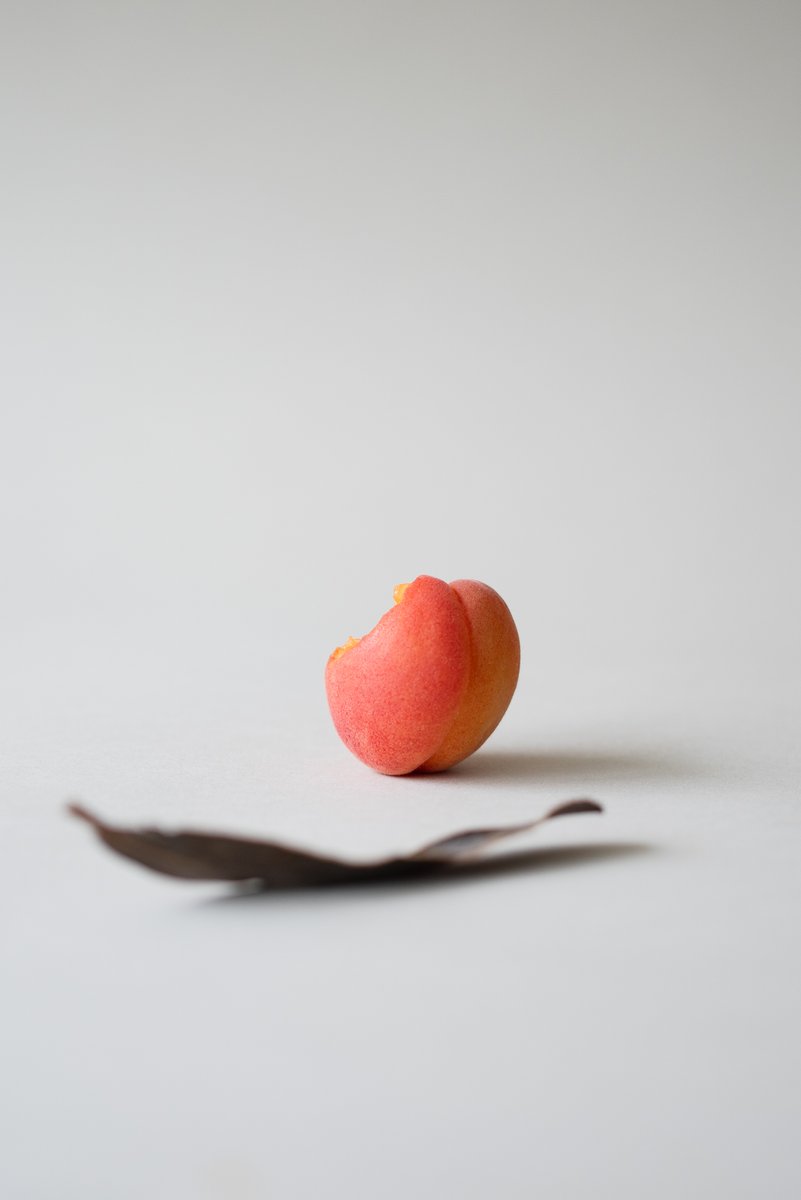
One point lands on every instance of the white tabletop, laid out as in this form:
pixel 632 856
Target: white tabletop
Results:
pixel 305 301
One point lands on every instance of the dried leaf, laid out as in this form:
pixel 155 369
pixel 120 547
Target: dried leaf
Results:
pixel 193 854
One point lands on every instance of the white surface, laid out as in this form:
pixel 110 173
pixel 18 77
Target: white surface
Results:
pixel 303 301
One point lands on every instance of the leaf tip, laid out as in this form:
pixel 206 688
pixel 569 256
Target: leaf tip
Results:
pixel 77 810
pixel 582 805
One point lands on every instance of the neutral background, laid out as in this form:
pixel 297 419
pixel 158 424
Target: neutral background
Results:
pixel 300 301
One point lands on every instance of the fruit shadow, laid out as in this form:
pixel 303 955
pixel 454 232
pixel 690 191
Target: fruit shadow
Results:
pixel 566 768
pixel 540 861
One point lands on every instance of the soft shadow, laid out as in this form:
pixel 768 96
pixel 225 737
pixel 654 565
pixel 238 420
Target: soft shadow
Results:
pixel 544 859
pixel 568 767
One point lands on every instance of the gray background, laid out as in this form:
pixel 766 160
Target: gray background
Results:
pixel 300 301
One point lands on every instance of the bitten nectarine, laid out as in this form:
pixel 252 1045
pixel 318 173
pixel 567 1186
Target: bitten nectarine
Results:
pixel 430 683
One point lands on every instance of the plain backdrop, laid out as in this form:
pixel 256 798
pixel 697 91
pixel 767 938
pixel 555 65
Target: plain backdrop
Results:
pixel 299 301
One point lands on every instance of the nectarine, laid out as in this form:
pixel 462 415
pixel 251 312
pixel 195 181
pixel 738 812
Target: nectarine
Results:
pixel 430 683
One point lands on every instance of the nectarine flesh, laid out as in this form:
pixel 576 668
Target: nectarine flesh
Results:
pixel 430 683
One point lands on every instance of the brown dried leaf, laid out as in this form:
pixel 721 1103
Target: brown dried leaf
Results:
pixel 193 854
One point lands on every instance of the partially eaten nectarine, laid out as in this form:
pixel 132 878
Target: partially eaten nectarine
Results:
pixel 430 683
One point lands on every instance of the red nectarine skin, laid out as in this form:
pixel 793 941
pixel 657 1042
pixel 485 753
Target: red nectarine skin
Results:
pixel 394 693
pixel 430 683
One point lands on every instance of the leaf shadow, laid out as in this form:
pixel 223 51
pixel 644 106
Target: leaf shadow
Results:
pixel 415 877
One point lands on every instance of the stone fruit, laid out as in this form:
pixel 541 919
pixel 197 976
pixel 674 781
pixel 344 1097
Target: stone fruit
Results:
pixel 430 683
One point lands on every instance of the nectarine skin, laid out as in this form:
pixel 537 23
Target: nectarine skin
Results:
pixel 431 682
